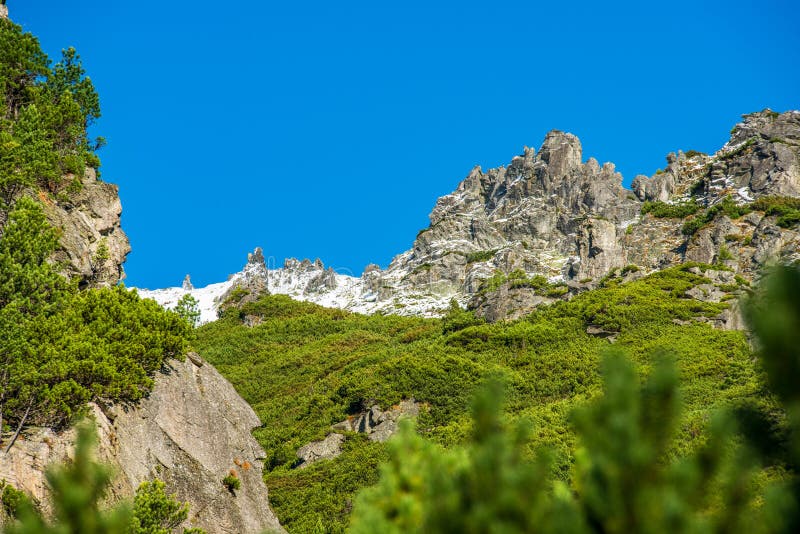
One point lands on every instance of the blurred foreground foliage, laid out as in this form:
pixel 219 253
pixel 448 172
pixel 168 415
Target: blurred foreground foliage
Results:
pixel 77 491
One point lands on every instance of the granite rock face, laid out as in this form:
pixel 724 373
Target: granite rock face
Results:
pixel 93 246
pixel 551 214
pixel 190 432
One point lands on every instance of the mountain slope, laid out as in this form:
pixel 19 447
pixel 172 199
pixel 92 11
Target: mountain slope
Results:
pixel 305 369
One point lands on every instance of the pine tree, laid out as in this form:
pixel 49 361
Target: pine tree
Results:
pixel 187 308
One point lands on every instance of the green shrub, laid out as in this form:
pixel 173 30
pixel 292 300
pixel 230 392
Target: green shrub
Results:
pixel 458 318
pixel 187 309
pixel 625 477
pixel 483 255
pixel 64 347
pixel 155 512
pixel 231 481
pixel 694 153
pixel 788 220
pixel 621 479
pixel 776 205
pixel 630 268
pixel 46 112
pixel 675 211
pixel 726 206
pixel 11 499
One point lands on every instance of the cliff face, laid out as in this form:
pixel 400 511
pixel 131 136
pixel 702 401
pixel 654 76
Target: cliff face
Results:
pixel 190 432
pixel 93 246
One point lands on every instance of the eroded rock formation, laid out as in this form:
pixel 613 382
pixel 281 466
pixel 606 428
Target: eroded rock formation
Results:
pixel 190 432
pixel 93 246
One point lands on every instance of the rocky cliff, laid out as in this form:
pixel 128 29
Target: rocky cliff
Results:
pixel 190 432
pixel 553 215
pixel 93 246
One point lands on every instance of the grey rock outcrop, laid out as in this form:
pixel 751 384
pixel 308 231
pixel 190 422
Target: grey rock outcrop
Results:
pixel 536 214
pixel 328 448
pixel 378 425
pixel 551 214
pixel 253 279
pixel 190 432
pixel 93 246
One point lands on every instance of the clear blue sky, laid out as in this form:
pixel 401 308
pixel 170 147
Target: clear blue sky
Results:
pixel 328 129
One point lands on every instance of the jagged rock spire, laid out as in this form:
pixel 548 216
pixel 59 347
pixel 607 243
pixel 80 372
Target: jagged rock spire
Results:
pixel 187 283
pixel 3 10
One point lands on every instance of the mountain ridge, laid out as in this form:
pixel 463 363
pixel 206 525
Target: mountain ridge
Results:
pixel 550 214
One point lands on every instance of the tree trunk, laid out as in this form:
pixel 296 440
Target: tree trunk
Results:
pixel 19 427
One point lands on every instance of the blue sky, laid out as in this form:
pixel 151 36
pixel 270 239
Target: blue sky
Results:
pixel 328 129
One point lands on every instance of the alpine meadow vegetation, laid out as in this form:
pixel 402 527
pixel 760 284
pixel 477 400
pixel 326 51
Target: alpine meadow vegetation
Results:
pixel 304 368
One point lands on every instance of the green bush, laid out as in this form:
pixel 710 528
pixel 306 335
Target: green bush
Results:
pixel 724 254
pixel 11 498
pixel 674 211
pixel 786 208
pixel 620 481
pixel 694 153
pixel 483 255
pixel 44 120
pixel 155 512
pixel 726 206
pixel 231 481
pixel 188 310
pixel 626 477
pixel 62 347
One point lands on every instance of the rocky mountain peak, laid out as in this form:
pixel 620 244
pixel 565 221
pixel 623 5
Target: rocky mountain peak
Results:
pixel 561 153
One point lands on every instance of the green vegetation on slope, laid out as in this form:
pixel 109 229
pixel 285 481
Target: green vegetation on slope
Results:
pixel 62 347
pixel 624 479
pixel 59 347
pixel 786 208
pixel 663 210
pixel 306 367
